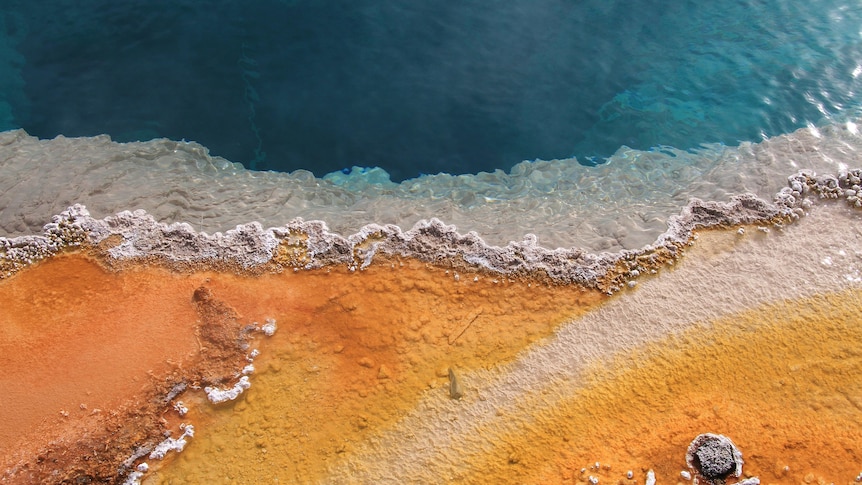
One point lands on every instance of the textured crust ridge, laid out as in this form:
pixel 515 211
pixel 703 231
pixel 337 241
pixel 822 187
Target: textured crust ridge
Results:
pixel 310 244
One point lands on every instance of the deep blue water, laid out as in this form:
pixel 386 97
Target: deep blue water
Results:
pixel 424 87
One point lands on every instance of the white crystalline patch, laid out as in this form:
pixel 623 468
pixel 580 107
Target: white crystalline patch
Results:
pixel 181 408
pixel 827 261
pixel 269 327
pixel 216 395
pixel 172 444
pixel 249 369
pixel 134 478
pixel 650 478
pixel 749 481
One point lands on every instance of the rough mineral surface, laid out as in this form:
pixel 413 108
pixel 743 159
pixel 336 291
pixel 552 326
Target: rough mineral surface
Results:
pixel 308 245
pixel 714 457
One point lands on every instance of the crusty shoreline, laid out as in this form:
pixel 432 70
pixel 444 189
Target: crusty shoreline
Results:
pixel 309 244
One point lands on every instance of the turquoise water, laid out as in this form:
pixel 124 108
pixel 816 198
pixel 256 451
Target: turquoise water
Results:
pixel 457 87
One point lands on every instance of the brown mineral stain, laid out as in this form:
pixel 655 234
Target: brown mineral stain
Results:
pixel 781 380
pixel 354 352
pixel 77 340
